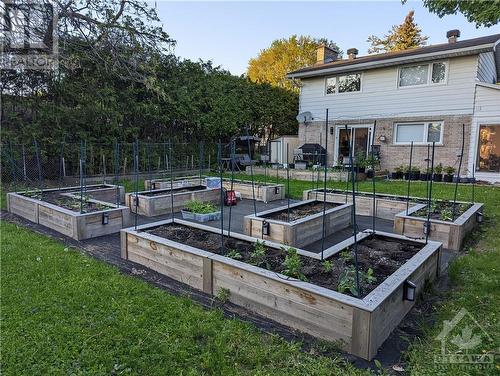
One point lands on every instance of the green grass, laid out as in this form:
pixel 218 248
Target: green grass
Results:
pixel 63 312
pixel 66 313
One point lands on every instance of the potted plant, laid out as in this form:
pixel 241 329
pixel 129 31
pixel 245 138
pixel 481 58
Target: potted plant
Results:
pixel 200 211
pixel 372 163
pixel 438 173
pixel 413 175
pixel 398 172
pixel 427 175
pixel 448 178
pixel 361 162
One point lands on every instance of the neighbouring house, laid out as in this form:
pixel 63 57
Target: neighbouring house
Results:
pixel 422 95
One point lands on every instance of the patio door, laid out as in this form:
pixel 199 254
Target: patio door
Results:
pixel 488 149
pixel 359 138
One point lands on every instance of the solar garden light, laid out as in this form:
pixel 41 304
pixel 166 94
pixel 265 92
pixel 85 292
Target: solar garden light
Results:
pixel 409 290
pixel 479 217
pixel 427 227
pixel 265 228
pixel 105 218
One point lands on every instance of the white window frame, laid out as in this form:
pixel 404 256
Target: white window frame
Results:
pixel 337 84
pixel 429 74
pixel 425 136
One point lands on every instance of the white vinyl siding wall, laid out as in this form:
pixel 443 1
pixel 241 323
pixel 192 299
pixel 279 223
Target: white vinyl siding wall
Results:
pixel 486 70
pixel 381 97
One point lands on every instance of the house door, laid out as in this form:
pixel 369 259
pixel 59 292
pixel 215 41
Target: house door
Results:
pixel 359 137
pixel 488 149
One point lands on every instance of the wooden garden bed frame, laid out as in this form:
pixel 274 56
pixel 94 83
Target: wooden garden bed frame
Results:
pixel 451 234
pixel 263 192
pixel 151 206
pixel 178 182
pixel 302 231
pixel 359 325
pixel 71 223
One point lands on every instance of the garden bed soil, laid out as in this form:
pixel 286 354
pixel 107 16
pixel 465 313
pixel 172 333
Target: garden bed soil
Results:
pixel 70 199
pixel 413 200
pixel 383 255
pixel 443 210
pixel 299 212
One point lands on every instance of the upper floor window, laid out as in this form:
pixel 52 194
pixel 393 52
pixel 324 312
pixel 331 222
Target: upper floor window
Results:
pixel 419 133
pixel 343 84
pixel 423 74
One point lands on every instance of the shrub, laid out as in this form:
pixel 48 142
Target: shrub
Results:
pixel 199 207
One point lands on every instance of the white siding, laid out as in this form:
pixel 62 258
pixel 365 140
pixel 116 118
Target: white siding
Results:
pixel 380 96
pixel 487 102
pixel 486 70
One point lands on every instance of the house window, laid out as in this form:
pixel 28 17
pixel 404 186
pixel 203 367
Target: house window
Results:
pixel 419 133
pixel 343 84
pixel 423 74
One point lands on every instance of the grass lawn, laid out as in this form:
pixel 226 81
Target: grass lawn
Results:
pixel 66 313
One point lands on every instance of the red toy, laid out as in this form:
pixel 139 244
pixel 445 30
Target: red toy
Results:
pixel 229 198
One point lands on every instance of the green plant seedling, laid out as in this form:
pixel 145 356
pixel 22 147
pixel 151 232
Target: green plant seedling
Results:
pixel 327 266
pixel 234 254
pixel 293 265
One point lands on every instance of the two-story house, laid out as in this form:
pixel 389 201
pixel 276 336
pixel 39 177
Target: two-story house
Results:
pixel 422 95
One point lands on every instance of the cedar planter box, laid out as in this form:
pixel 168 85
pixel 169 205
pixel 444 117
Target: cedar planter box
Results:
pixel 71 223
pixel 159 202
pixel 386 206
pixel 205 217
pixel 360 325
pixel 179 182
pixel 265 193
pixel 451 234
pixel 300 232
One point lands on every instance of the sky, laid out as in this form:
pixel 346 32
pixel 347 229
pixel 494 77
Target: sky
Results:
pixel 230 33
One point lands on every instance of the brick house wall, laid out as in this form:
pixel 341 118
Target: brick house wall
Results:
pixel 392 155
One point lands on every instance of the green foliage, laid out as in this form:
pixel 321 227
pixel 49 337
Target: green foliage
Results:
pixel 282 57
pixel 199 207
pixel 327 266
pixel 293 264
pixel 438 169
pixel 258 255
pixel 449 170
pixel 481 12
pixel 234 254
pixel 446 214
pixel 347 280
pixel 222 295
pixel 346 255
pixel 400 37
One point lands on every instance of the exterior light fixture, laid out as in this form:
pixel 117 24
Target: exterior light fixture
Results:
pixel 105 218
pixel 265 228
pixel 331 130
pixel 382 138
pixel 409 290
pixel 427 227
pixel 479 217
pixel 276 190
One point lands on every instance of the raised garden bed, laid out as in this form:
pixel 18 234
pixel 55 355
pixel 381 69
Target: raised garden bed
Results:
pixel 303 226
pixel 263 192
pixel 441 228
pixel 62 213
pixel 159 202
pixel 179 182
pixel 191 253
pixel 200 212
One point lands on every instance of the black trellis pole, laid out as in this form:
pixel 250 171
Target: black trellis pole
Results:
pixel 117 172
pixel 61 164
pixel 287 186
pixel 458 172
pixel 349 154
pixel 354 224
pixel 148 161
pixel 429 199
pixel 170 165
pixel 202 159
pixel 265 163
pixel 251 172
pixel 409 179
pixel 428 160
pixel 374 208
pixel 233 152
pixel 82 164
pixel 473 182
pixel 39 166
pixel 136 173
pixel 324 188
pixel 219 161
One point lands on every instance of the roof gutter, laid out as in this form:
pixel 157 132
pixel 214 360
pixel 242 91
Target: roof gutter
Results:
pixel 394 61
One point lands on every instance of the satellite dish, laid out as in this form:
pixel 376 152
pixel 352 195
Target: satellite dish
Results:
pixel 304 117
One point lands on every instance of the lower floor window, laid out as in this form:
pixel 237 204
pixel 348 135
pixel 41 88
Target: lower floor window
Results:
pixel 419 133
pixel 488 159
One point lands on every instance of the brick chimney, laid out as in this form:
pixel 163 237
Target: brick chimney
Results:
pixel 453 35
pixel 352 53
pixel 325 54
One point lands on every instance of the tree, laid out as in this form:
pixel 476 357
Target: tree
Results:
pixel 482 12
pixel 400 37
pixel 283 56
